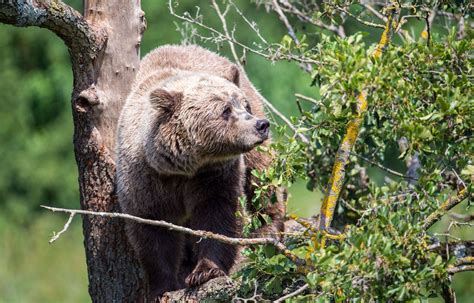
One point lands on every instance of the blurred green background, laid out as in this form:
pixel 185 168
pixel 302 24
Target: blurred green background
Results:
pixel 36 152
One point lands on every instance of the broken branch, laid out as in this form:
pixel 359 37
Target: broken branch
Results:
pixel 198 233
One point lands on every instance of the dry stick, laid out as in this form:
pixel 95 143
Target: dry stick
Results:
pixel 367 23
pixel 292 294
pixel 290 8
pixel 226 32
pixel 336 180
pixel 445 207
pixel 66 226
pixel 198 233
pixel 391 171
pixel 306 98
pixel 276 56
pixel 291 32
pixel 267 103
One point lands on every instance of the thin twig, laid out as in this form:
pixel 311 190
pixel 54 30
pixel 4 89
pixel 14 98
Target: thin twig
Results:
pixel 463 218
pixel 306 98
pixel 292 294
pixel 391 171
pixel 198 233
pixel 66 226
pixel 290 29
pixel 290 8
pixel 275 55
pixel 226 32
pixel 367 23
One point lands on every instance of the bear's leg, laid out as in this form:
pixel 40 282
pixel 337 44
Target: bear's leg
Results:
pixel 160 253
pixel 214 258
pixel 189 260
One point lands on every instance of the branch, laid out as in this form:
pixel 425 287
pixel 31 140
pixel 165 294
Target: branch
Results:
pixel 269 52
pixel 448 294
pixel 66 226
pixel 198 233
pixel 445 207
pixel 292 294
pixel 458 269
pixel 290 29
pixel 367 23
pixel 226 32
pixel 463 218
pixel 290 8
pixel 336 180
pixel 388 170
pixel 459 249
pixel 221 289
pixel 309 99
pixel 60 18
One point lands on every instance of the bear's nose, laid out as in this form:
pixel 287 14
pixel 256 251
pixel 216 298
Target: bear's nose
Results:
pixel 262 126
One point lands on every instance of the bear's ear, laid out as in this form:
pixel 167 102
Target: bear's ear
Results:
pixel 166 102
pixel 233 75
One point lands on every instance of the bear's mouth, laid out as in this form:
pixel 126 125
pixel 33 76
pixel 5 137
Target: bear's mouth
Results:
pixel 262 138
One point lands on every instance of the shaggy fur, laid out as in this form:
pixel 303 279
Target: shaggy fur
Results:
pixel 186 142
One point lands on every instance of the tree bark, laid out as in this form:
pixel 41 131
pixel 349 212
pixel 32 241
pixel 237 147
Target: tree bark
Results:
pixel 104 49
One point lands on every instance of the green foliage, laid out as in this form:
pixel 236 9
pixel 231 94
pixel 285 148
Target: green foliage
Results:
pixel 420 106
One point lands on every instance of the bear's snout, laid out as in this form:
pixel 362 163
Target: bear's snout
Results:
pixel 262 127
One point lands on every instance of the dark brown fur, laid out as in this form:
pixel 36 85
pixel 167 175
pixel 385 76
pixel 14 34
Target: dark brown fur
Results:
pixel 180 161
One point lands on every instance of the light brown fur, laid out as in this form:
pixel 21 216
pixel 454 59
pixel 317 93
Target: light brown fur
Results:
pixel 186 143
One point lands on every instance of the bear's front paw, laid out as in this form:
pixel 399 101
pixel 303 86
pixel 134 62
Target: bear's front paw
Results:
pixel 204 271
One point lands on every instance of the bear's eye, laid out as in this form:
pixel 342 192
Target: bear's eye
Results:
pixel 247 107
pixel 226 113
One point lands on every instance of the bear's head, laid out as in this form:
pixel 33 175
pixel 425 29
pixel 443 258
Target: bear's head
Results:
pixel 200 119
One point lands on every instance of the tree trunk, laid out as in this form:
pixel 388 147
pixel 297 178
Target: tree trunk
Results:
pixel 104 49
pixel 100 89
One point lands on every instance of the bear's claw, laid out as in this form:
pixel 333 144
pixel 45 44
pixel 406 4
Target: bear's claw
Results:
pixel 200 277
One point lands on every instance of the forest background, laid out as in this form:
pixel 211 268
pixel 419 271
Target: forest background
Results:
pixel 37 163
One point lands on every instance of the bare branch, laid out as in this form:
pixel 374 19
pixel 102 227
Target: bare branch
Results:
pixel 391 171
pixel 285 119
pixel 367 23
pixel 290 8
pixel 269 52
pixel 226 32
pixel 198 233
pixel 463 218
pixel 66 226
pixel 306 98
pixel 290 29
pixel 445 207
pixel 58 17
pixel 292 294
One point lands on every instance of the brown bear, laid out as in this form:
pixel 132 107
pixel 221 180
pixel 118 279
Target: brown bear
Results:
pixel 185 150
